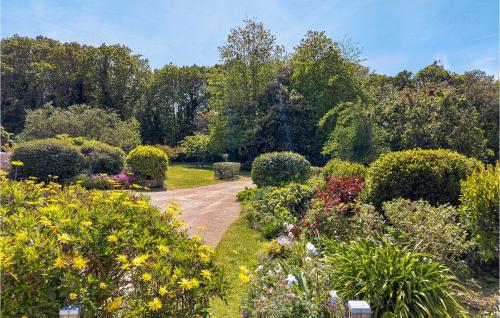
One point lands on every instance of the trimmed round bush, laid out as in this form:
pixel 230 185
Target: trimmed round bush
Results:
pixel 226 170
pixel 279 168
pixel 341 168
pixel 68 245
pixel 479 209
pixel 430 175
pixel 102 158
pixel 45 157
pixel 148 164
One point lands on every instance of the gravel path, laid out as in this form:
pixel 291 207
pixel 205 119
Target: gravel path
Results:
pixel 207 210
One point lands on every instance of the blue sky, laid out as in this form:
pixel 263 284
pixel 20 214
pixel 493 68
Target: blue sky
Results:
pixel 393 34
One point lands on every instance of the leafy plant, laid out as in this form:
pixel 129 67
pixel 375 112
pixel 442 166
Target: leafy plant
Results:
pixel 429 229
pixel 431 175
pixel 279 168
pixel 48 157
pixel 340 168
pixel 226 170
pixel 394 280
pixel 148 164
pixel 63 246
pixel 479 209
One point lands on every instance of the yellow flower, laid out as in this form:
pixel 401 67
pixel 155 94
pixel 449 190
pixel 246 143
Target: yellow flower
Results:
pixel 64 237
pixel 194 283
pixel 197 238
pixel 206 274
pixel 79 262
pixel 60 262
pixel 163 291
pixel 139 260
pixel 163 249
pixel 155 304
pixel 189 284
pixel 103 285
pixel 114 304
pixel 24 316
pixel 45 221
pixel 17 163
pixel 146 277
pixel 204 257
pixel 121 258
pixel 86 223
pixel 22 236
pixel 73 296
pixel 244 269
pixel 112 238
pixel 244 278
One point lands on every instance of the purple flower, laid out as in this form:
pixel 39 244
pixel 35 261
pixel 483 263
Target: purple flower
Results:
pixel 244 314
pixel 263 298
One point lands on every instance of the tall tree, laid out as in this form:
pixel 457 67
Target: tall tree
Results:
pixel 175 98
pixel 250 59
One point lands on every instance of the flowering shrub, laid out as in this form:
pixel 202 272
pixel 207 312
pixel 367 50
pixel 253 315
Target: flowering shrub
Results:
pixel 278 207
pixel 110 252
pixel 148 164
pixel 342 168
pixel 342 192
pixel 279 168
pixel 431 175
pixel 46 157
pixel 226 170
pixel 479 209
pixel 296 287
pixel 102 181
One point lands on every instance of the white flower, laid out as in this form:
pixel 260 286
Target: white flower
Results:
pixel 259 268
pixel 307 259
pixel 291 280
pixel 311 250
pixel 335 297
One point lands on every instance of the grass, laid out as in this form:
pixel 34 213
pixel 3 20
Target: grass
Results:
pixel 239 246
pixel 189 175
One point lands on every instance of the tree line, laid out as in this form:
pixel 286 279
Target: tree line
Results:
pixel 317 100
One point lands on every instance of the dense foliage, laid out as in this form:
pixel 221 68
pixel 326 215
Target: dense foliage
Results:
pixel 148 164
pixel 393 279
pixel 47 158
pixel 479 209
pixel 68 245
pixel 82 121
pixel 226 170
pixel 341 168
pixel 99 157
pixel 428 229
pixel 279 168
pixel 431 175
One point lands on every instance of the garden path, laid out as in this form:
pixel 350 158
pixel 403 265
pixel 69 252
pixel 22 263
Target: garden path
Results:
pixel 207 210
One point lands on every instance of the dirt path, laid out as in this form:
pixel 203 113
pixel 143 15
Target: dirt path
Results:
pixel 207 210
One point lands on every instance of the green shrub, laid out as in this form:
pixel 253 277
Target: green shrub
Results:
pixel 226 170
pixel 148 164
pixel 68 245
pixel 479 209
pixel 45 157
pixel 89 182
pixel 251 194
pixel 428 229
pixel 431 175
pixel 342 168
pixel 172 153
pixel 393 280
pixel 102 158
pixel 279 168
pixel 279 206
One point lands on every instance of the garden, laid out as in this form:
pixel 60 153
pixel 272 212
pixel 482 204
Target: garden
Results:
pixel 361 186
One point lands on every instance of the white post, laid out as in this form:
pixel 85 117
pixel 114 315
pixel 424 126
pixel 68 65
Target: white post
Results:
pixel 359 309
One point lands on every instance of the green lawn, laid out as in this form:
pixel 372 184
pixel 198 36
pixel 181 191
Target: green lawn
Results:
pixel 239 246
pixel 188 175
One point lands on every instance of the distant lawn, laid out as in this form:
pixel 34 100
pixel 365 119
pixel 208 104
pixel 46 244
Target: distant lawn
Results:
pixel 189 175
pixel 238 246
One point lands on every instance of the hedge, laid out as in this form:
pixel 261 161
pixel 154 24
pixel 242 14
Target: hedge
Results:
pixel 431 175
pixel 341 168
pixel 45 157
pixel 279 168
pixel 102 158
pixel 226 170
pixel 148 164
